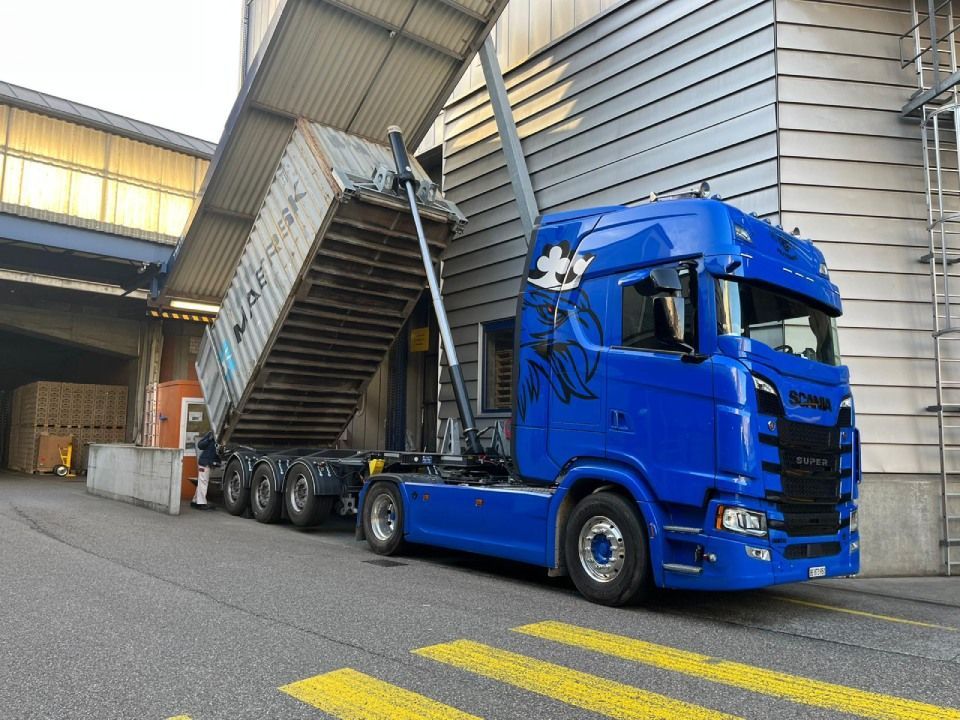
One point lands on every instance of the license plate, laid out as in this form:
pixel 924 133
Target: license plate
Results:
pixel 818 571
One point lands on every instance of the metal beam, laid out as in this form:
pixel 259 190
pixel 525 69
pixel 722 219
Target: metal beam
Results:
pixel 39 232
pixel 509 139
pixel 398 29
pixel 921 99
pixel 68 284
pixel 234 214
pixel 66 264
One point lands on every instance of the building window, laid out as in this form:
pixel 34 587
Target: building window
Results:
pixel 496 391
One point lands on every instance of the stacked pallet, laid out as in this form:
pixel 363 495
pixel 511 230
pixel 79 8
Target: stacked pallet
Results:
pixel 88 413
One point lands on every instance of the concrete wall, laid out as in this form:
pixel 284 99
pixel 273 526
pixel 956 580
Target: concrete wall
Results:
pixel 149 477
pixel 900 525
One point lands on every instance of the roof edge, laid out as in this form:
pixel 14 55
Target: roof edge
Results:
pixel 110 122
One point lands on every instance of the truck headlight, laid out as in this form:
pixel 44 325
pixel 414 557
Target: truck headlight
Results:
pixel 740 520
pixel 854 521
pixel 768 399
pixel 845 417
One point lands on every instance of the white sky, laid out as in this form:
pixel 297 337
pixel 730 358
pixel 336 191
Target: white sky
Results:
pixel 173 63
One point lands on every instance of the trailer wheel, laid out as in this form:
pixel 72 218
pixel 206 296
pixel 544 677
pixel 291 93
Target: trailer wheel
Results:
pixel 265 501
pixel 606 550
pixel 303 507
pixel 235 500
pixel 383 519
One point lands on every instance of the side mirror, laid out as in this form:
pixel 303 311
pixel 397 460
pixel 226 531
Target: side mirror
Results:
pixel 654 281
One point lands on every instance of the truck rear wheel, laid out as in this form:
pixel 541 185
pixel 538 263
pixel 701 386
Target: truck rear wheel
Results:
pixel 606 550
pixel 383 518
pixel 303 507
pixel 265 501
pixel 235 499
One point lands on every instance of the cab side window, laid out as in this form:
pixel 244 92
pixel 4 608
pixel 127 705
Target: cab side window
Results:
pixel 661 321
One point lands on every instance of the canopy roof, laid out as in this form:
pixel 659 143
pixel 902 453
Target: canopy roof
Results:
pixel 355 65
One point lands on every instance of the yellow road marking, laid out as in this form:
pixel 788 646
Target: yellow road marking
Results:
pixel 862 613
pixel 351 695
pixel 179 717
pixel 768 682
pixel 588 692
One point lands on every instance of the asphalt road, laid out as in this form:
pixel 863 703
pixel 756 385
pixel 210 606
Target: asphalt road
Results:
pixel 113 611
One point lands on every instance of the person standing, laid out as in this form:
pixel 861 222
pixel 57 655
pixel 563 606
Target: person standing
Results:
pixel 207 445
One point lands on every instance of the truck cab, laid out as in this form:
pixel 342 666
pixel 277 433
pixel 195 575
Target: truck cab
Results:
pixel 681 415
pixel 687 352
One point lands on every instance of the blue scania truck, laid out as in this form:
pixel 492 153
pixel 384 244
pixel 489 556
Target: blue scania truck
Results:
pixel 681 417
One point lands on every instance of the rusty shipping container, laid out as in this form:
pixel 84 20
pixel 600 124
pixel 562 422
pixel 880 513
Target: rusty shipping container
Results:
pixel 329 273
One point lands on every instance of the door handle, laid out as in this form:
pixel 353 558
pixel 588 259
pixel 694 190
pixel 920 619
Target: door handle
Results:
pixel 618 420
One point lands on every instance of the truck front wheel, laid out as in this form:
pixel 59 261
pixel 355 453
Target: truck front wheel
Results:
pixel 265 501
pixel 235 500
pixel 606 550
pixel 383 518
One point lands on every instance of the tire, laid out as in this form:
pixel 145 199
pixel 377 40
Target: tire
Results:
pixel 265 502
pixel 61 471
pixel 606 550
pixel 236 500
pixel 303 507
pixel 383 519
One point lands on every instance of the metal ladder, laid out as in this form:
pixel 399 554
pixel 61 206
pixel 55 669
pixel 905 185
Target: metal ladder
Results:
pixel 936 104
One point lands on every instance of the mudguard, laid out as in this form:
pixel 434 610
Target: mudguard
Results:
pixel 247 461
pixel 275 470
pixel 323 483
pixel 611 473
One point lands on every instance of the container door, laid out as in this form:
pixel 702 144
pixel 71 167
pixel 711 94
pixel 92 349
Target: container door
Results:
pixel 660 396
pixel 216 392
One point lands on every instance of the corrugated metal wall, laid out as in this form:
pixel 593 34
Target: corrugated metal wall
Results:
pixel 55 170
pixel 852 179
pixel 259 14
pixel 650 96
pixel 526 27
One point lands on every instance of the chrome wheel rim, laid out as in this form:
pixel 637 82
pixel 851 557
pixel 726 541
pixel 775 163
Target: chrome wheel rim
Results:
pixel 263 493
pixel 602 550
pixel 298 494
pixel 383 517
pixel 233 487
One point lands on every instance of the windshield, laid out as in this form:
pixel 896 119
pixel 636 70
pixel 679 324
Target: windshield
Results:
pixel 784 322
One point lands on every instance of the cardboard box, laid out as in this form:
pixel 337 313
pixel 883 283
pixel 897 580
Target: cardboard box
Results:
pixel 48 451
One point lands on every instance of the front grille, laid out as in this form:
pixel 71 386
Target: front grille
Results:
pixel 811 488
pixel 807 523
pixel 809 465
pixel 808 551
pixel 799 434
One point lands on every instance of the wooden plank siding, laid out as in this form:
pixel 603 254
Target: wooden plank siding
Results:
pixel 649 96
pixel 851 177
